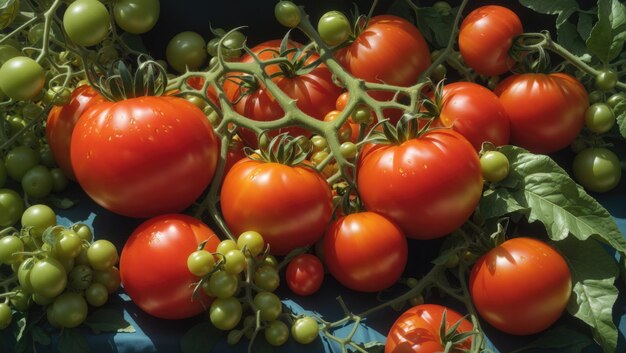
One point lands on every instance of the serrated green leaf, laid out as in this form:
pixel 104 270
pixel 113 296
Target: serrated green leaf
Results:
pixel 568 37
pixel 618 16
pixel 594 272
pixel 585 24
pixel 547 194
pixel 559 337
pixel 200 338
pixel 605 40
pixel 73 341
pixel 108 320
pixel 550 7
pixel 40 336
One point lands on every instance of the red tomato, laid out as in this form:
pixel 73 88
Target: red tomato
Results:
pixel 315 93
pixel 144 156
pixel 429 185
pixel 196 82
pixel 289 206
pixel 475 112
pixel 485 37
pixel 546 111
pixel 365 251
pixel 389 50
pixel 417 330
pixel 61 122
pixel 521 287
pixel 153 265
pixel 305 274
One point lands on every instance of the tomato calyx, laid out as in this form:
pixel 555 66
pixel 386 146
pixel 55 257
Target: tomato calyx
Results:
pixel 407 128
pixel 283 149
pixel 120 83
pixel 450 337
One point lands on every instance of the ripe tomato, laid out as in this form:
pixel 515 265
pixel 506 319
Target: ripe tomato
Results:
pixel 417 330
pixel 485 37
pixel 61 122
pixel 289 206
pixel 475 112
pixel 521 287
pixel 546 111
pixel 315 93
pixel 390 50
pixel 144 156
pixel 305 274
pixel 365 251
pixel 429 185
pixel 153 265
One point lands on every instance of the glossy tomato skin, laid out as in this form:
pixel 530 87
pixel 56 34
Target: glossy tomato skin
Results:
pixel 153 265
pixel 315 93
pixel 305 274
pixel 61 121
pixel 485 37
pixel 365 251
pixel 428 185
pixel 390 50
pixel 476 113
pixel 546 111
pixel 521 287
pixel 289 206
pixel 417 330
pixel 144 156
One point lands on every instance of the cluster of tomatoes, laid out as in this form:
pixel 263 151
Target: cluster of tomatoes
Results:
pixel 342 144
pixel 60 268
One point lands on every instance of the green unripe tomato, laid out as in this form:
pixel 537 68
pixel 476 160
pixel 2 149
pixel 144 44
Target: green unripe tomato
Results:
pixel 186 49
pixel 276 333
pixel 37 182
pixel 86 22
pixel 69 309
pixel 597 169
pixel 225 314
pixel 102 255
pixel 287 14
pixel 305 330
pixel 48 277
pixel 136 16
pixel 334 28
pixel 606 80
pixel 252 241
pixel 22 78
pixel 599 118
pixel 200 263
pixel 494 165
pixel 20 160
pixel 39 217
pixel 11 207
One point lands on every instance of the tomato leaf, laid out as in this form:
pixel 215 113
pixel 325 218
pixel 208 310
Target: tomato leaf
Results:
pixel 108 320
pixel 594 272
pixel 585 24
pixel 559 337
pixel 200 338
pixel 568 37
pixel 73 341
pixel 607 35
pixel 434 26
pixel 563 8
pixel 540 189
